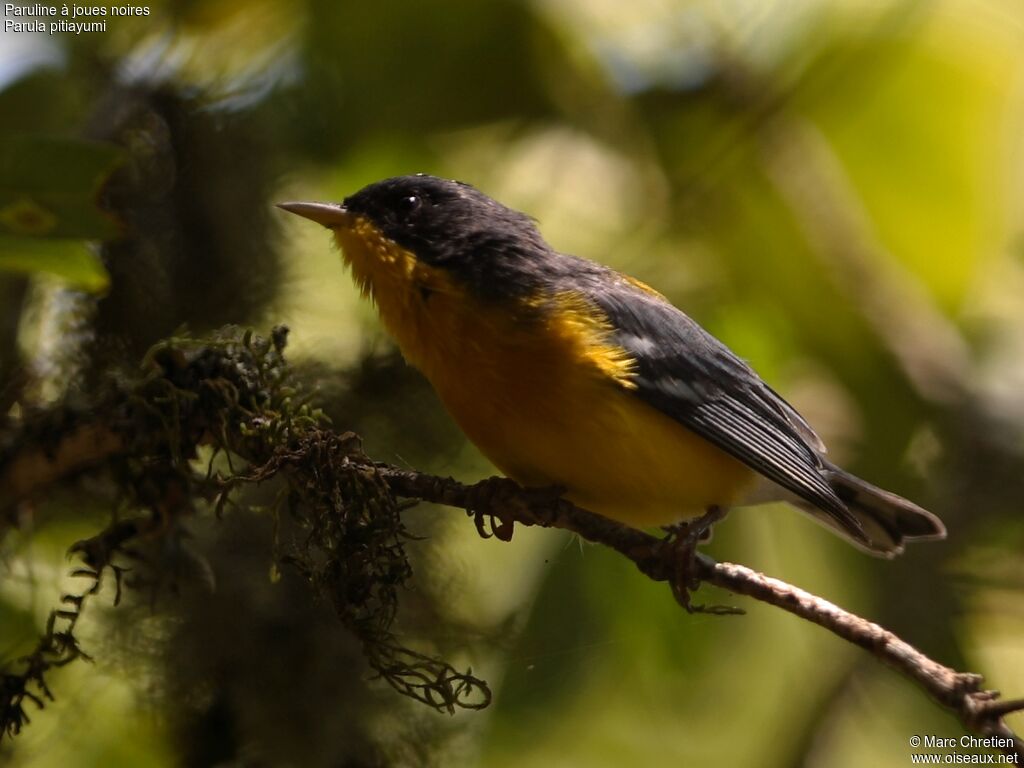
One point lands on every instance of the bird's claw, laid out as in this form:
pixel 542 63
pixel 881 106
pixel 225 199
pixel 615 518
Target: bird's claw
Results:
pixel 488 495
pixel 681 545
pixel 488 525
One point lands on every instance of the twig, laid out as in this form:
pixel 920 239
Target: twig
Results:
pixel 78 449
pixel 980 711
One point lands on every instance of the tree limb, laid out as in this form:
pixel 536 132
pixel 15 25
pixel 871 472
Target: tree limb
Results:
pixel 979 710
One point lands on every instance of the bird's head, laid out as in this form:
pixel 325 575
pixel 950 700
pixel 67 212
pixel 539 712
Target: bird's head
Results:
pixel 423 233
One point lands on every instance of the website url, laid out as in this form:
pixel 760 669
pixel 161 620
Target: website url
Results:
pixel 954 758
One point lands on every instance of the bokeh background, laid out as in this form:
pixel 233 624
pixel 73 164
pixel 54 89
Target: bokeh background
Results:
pixel 835 189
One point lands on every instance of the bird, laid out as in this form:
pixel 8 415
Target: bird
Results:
pixel 567 373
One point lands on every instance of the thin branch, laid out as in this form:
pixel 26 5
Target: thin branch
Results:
pixel 36 469
pixel 980 711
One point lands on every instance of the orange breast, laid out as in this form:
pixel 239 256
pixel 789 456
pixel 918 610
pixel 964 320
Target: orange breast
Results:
pixel 546 397
pixel 550 404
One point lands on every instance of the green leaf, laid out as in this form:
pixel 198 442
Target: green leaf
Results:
pixel 48 187
pixel 43 100
pixel 70 260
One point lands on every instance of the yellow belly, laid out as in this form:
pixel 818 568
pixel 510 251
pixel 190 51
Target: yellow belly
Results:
pixel 613 453
pixel 543 392
pixel 553 406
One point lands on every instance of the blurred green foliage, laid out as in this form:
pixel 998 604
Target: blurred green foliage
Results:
pixel 47 206
pixel 836 189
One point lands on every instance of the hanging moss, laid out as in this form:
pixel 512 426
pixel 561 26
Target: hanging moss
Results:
pixel 235 393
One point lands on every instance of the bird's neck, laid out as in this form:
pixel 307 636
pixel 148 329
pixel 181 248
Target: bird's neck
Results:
pixel 419 305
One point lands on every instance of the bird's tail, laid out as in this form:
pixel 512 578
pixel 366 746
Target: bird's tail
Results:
pixel 887 520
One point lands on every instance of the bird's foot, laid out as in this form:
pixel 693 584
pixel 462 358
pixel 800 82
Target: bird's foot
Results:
pixel 497 503
pixel 681 551
pixel 486 497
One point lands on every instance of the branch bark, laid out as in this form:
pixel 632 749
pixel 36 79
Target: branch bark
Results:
pixel 980 711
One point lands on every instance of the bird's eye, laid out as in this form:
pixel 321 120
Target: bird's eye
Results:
pixel 409 203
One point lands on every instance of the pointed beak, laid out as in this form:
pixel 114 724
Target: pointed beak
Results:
pixel 331 215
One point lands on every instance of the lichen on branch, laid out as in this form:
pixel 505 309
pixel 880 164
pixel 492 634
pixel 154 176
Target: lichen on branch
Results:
pixel 234 395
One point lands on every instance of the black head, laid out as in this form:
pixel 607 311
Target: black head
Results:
pixel 450 225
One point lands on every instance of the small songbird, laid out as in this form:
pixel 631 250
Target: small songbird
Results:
pixel 566 373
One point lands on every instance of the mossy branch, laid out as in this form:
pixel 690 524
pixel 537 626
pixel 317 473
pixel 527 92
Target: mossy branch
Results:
pixel 238 396
pixel 235 395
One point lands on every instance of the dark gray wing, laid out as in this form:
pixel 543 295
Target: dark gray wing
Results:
pixel 689 375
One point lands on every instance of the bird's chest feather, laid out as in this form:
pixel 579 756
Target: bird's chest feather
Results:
pixel 552 405
pixel 522 358
pixel 544 393
pixel 520 383
pixel 519 379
